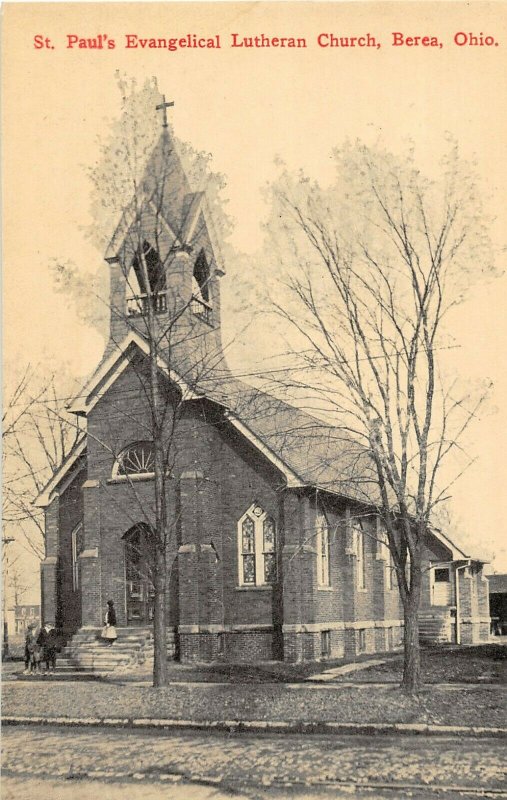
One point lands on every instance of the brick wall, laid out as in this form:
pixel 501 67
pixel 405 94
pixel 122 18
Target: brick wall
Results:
pixel 70 514
pixel 216 476
pixel 61 604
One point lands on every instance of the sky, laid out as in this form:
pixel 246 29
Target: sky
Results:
pixel 246 106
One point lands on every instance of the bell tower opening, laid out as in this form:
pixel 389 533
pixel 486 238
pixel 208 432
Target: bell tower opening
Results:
pixel 201 295
pixel 145 279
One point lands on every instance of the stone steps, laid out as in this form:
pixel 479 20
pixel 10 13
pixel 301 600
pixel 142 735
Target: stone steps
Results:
pixel 133 647
pixel 434 626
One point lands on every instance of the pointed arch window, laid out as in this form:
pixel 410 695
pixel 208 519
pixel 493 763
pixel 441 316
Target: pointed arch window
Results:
pixel 256 548
pixel 201 295
pixel 138 459
pixel 151 280
pixel 322 534
pixel 360 556
pixel 76 538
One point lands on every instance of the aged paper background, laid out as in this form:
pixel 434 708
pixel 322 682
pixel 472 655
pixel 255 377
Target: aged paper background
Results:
pixel 245 106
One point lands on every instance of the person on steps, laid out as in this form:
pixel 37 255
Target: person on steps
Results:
pixel 109 630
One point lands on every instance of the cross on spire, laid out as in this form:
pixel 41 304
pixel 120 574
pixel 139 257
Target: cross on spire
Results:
pixel 163 107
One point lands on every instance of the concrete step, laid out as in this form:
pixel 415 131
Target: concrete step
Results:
pixel 133 647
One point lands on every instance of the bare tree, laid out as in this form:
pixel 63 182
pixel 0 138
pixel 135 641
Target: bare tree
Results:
pixel 19 586
pixel 137 185
pixel 38 435
pixel 374 266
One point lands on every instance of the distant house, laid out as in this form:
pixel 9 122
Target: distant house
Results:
pixel 23 616
pixel 498 603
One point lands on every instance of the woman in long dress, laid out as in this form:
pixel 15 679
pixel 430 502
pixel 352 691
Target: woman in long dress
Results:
pixel 109 629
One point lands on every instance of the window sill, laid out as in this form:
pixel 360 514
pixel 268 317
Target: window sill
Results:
pixel 362 589
pixel 148 476
pixel 262 588
pixel 325 588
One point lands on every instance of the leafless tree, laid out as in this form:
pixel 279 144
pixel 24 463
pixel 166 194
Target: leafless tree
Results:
pixel 37 436
pixel 19 586
pixel 374 266
pixel 136 186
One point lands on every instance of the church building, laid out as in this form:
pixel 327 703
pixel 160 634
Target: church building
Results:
pixel 273 550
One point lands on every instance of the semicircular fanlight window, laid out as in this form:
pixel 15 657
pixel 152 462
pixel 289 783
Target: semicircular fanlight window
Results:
pixel 137 459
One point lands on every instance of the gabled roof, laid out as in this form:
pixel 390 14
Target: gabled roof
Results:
pixel 110 370
pixel 322 455
pixel 457 552
pixel 318 455
pixel 72 463
pixel 306 451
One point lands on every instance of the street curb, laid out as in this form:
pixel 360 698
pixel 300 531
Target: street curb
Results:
pixel 261 726
pixel 232 785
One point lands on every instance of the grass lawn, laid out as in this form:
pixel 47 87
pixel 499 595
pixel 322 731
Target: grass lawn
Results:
pixel 473 706
pixel 485 663
pixel 263 672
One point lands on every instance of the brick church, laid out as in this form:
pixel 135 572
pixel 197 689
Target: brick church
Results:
pixel 274 550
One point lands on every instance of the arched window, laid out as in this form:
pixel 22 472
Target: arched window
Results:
pixel 201 295
pixel 200 283
pixel 136 459
pixel 139 544
pixel 154 268
pixel 76 538
pixel 322 533
pixel 360 555
pixel 141 280
pixel 256 548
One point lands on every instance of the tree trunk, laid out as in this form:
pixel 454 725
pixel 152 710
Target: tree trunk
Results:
pixel 159 621
pixel 411 682
pixel 160 576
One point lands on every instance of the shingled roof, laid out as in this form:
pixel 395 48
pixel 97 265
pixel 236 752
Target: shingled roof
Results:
pixel 322 455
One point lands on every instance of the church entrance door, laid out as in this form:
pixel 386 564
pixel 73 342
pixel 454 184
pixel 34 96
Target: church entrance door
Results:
pixel 139 561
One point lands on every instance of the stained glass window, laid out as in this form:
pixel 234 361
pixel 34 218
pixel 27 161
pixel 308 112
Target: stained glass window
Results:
pixel 248 569
pixel 269 535
pixel 248 536
pixel 248 550
pixel 269 550
pixel 257 547
pixel 269 568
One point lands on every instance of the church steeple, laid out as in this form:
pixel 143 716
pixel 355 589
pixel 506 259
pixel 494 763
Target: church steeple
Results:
pixel 165 252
